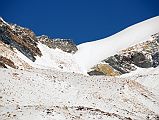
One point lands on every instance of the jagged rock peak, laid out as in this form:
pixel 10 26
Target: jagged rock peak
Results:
pixel 67 45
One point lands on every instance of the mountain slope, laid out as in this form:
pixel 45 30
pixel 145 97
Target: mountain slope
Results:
pixel 46 79
pixel 22 49
pixel 91 53
pixel 47 94
pixel 142 55
pixel 114 55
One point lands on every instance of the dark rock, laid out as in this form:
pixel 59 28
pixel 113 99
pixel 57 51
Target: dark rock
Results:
pixel 2 65
pixel 95 72
pixel 20 38
pixel 65 45
pixel 155 58
pixel 140 60
pixel 156 37
pixel 120 63
pixel 5 61
pixel 24 50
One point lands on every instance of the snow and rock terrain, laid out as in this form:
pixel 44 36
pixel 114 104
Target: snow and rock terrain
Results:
pixel 91 53
pixel 44 78
pixel 21 47
pixel 47 94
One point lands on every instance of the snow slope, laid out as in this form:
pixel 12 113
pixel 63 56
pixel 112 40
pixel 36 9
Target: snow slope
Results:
pixel 55 59
pixel 52 95
pixel 91 53
pixel 140 75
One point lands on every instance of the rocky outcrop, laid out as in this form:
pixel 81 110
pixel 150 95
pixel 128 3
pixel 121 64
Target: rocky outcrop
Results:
pixel 65 45
pixel 20 38
pixel 140 60
pixel 155 59
pixel 123 64
pixel 8 54
pixel 143 55
pixel 104 69
pixel 15 40
pixel 5 61
pixel 2 65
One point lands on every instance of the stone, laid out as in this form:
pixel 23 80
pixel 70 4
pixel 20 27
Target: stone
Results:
pixel 5 61
pixel 140 60
pixel 120 63
pixel 155 58
pixel 65 45
pixel 104 69
pixel 22 39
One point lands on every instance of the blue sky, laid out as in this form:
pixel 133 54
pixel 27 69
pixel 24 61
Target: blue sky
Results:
pixel 80 20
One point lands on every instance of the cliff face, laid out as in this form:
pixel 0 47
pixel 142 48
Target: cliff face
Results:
pixel 143 55
pixel 23 39
pixel 14 38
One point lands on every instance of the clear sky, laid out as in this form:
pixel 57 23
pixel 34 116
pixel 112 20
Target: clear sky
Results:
pixel 80 20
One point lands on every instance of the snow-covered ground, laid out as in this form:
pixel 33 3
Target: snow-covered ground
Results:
pixel 46 94
pixel 91 53
pixel 53 59
pixel 140 75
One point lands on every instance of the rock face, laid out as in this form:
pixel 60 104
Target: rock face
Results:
pixel 14 38
pixel 20 38
pixel 65 45
pixel 143 55
pixel 4 60
pixel 104 69
pixel 10 58
pixel 155 58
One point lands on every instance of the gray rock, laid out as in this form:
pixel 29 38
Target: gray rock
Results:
pixel 22 39
pixel 155 58
pixel 65 45
pixel 144 55
pixel 120 63
pixel 95 72
pixel 140 60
